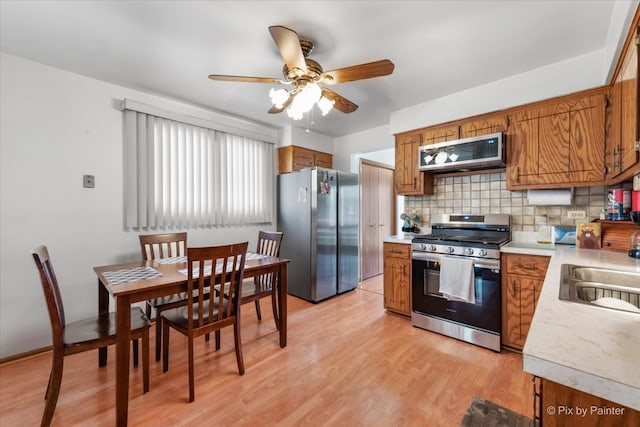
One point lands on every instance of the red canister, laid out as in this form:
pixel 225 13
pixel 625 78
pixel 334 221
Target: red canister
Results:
pixel 635 201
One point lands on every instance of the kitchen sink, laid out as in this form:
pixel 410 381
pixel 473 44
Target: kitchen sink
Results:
pixel 612 289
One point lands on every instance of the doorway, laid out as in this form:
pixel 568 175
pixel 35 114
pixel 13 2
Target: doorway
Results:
pixel 377 219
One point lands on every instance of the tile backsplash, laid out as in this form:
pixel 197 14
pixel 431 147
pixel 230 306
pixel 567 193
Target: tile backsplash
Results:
pixel 487 193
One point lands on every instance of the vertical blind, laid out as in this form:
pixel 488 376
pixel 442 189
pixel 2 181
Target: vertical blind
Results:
pixel 179 175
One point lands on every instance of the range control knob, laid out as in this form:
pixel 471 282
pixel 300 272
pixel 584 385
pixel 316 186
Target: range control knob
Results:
pixel 482 252
pixel 432 248
pixel 423 247
pixel 468 251
pixel 450 250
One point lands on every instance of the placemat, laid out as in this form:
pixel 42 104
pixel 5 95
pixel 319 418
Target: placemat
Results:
pixel 171 260
pixel 120 277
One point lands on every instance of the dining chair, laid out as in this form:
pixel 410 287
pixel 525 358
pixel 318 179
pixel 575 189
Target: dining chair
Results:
pixel 203 315
pixel 158 246
pixel 253 289
pixel 81 335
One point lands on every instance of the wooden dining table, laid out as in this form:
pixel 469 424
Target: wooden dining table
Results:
pixel 139 281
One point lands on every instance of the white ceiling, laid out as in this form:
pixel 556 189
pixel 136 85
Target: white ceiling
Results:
pixel 170 47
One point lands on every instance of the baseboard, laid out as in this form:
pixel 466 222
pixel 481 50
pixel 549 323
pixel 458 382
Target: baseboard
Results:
pixel 26 355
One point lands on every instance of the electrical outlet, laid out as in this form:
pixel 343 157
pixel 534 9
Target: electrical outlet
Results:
pixel 576 214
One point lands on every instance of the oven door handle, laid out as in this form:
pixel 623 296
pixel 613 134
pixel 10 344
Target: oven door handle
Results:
pixel 492 264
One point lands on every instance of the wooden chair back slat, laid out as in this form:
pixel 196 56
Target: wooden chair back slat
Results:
pixel 227 268
pixel 269 243
pixel 156 246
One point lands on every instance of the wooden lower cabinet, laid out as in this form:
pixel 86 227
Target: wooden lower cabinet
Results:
pixel 564 406
pixel 522 279
pixel 397 278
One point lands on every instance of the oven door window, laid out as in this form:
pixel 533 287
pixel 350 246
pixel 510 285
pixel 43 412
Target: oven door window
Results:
pixel 427 299
pixel 431 281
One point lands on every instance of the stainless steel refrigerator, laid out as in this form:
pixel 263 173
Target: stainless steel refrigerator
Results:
pixel 318 213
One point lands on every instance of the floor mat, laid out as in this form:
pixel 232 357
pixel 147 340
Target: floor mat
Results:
pixel 483 413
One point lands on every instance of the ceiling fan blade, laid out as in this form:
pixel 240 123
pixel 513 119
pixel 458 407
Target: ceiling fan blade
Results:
pixel 341 103
pixel 289 46
pixel 276 110
pixel 380 68
pixel 225 78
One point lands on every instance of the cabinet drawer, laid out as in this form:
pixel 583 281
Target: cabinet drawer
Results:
pixel 397 250
pixel 530 265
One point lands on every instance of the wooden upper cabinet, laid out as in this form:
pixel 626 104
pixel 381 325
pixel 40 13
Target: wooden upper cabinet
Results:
pixel 292 158
pixel 557 144
pixel 484 126
pixel 409 180
pixel 622 115
pixel 435 134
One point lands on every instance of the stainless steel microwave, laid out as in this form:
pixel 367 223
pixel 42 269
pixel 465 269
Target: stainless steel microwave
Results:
pixel 478 152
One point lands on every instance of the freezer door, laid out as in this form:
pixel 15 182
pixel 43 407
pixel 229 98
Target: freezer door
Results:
pixel 294 220
pixel 324 218
pixel 348 220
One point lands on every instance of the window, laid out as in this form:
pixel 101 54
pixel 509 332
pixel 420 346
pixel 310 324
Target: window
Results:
pixel 179 175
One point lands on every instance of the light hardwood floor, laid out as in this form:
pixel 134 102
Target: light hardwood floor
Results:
pixel 347 362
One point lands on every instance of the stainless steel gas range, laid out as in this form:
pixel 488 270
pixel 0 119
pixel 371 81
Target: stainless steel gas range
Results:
pixel 476 239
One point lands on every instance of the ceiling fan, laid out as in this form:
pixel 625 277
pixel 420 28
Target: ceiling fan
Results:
pixel 304 75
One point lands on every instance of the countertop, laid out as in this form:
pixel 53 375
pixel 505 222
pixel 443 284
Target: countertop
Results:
pixel 592 349
pixel 529 248
pixel 404 238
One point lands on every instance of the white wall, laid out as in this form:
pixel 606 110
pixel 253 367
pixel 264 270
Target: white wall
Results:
pixel 561 78
pixel 621 19
pixel 292 135
pixel 350 148
pixel 55 127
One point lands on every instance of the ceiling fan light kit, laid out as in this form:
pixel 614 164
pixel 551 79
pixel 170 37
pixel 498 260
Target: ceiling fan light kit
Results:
pixel 306 74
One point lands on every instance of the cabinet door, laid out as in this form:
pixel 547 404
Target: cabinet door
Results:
pixel 302 158
pixel 558 144
pixel 553 144
pixel 435 134
pixel 323 160
pixel 408 178
pixel 403 178
pixel 629 107
pixel 521 297
pixel 586 140
pixel 484 126
pixel 511 332
pixel 613 131
pixel 397 278
pixel 522 146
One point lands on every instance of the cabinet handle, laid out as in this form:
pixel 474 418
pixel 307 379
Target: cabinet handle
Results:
pixel 526 266
pixel 518 174
pixel 414 183
pixel 513 286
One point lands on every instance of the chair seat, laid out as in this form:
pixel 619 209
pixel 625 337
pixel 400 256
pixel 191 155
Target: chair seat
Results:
pixel 180 316
pixel 251 288
pixel 169 299
pixel 100 328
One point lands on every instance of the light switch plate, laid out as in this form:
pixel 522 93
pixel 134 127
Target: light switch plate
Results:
pixel 88 181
